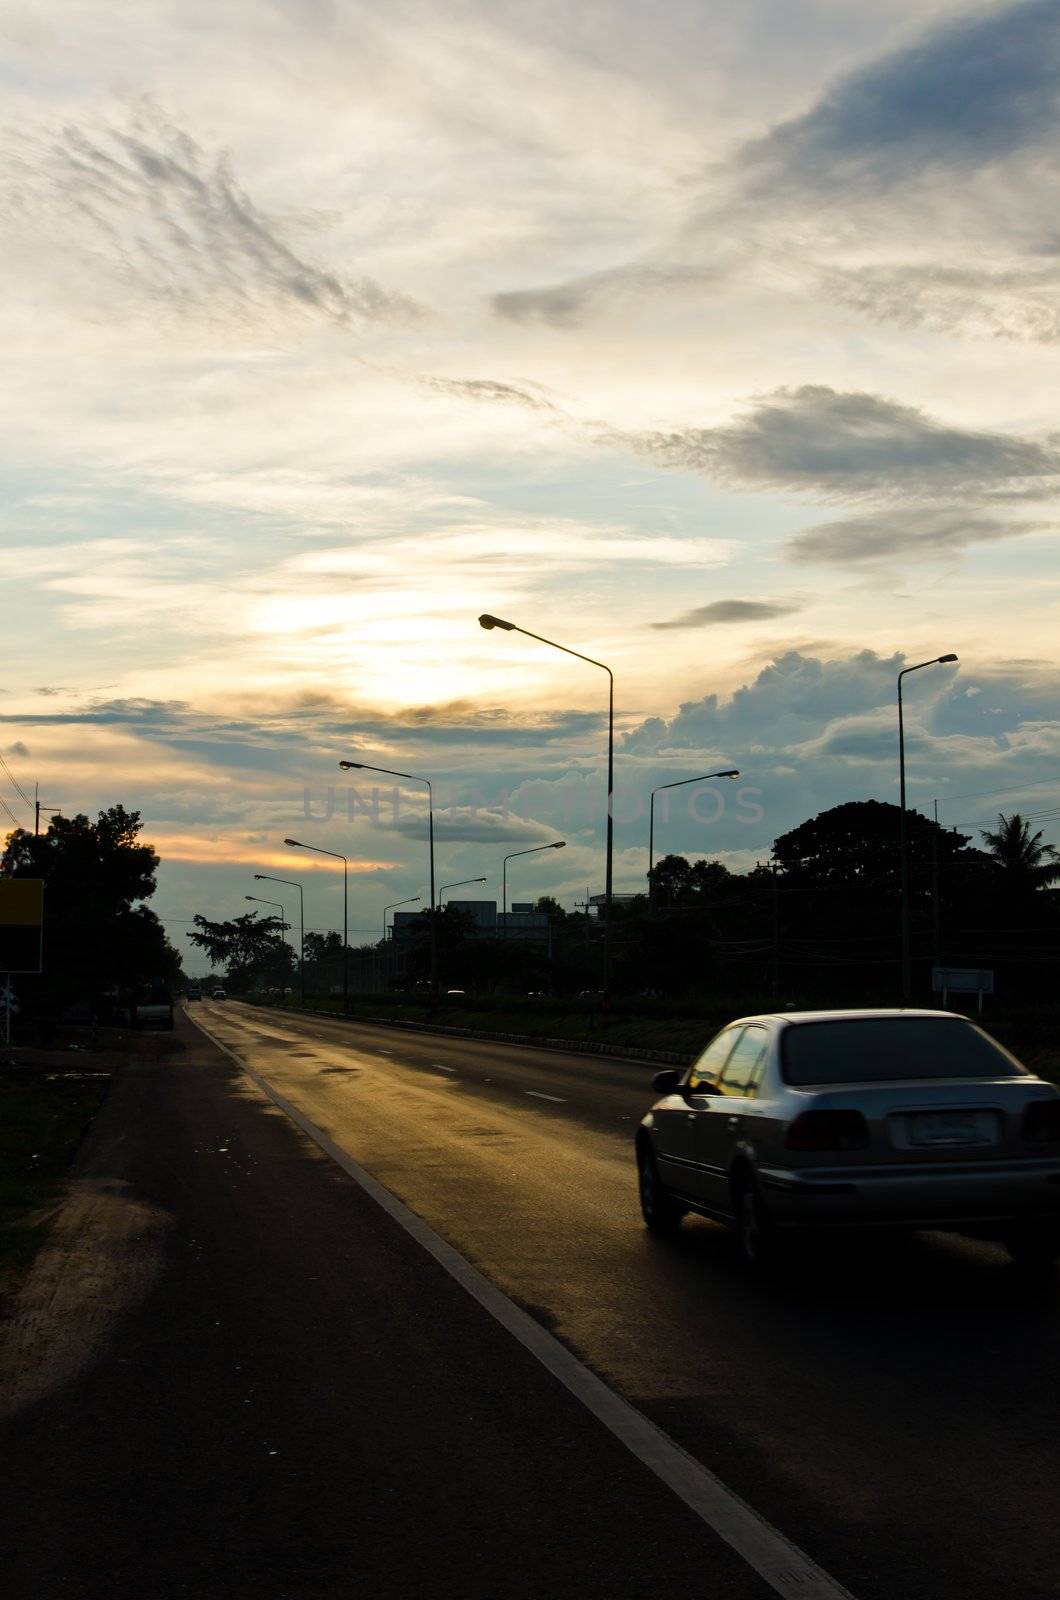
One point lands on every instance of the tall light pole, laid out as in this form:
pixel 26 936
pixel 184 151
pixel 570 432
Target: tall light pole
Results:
pixel 907 976
pixel 486 621
pixel 318 849
pixel 461 885
pixel 364 766
pixel 412 901
pixel 733 772
pixel 558 844
pixel 292 883
pixel 277 905
pixel 40 805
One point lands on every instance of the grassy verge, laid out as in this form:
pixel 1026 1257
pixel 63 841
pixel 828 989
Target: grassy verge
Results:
pixel 1032 1033
pixel 48 1097
pixel 42 1121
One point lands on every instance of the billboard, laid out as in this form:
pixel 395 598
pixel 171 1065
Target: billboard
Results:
pixel 21 922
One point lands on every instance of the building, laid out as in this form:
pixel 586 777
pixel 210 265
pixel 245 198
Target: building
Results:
pixel 522 921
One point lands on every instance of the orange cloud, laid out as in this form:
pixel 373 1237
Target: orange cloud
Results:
pixel 248 850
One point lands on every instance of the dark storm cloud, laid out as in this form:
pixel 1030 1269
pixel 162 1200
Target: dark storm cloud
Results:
pixel 840 446
pixel 721 611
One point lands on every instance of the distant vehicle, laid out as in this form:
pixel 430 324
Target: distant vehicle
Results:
pixel 590 994
pixel 152 1007
pixel 854 1119
pixel 218 994
pixel 458 994
pixel 194 993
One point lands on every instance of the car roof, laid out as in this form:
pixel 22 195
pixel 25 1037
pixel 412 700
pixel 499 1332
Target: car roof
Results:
pixel 850 1015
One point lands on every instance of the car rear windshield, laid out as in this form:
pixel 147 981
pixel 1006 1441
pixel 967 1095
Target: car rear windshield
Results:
pixel 890 1049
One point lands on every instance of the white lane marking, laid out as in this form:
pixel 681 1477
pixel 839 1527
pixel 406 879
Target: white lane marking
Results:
pixel 787 1570
pixel 538 1096
pixel 441 1067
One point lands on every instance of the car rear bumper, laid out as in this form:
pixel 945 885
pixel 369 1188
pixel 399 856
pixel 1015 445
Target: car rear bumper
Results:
pixel 927 1197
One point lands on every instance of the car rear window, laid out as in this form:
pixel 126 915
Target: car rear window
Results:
pixel 890 1049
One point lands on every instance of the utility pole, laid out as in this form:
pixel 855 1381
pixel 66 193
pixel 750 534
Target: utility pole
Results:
pixel 936 910
pixel 39 805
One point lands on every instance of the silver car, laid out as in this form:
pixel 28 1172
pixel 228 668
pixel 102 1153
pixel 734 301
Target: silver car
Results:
pixel 851 1119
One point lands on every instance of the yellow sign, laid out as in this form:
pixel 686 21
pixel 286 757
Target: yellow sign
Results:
pixel 21 902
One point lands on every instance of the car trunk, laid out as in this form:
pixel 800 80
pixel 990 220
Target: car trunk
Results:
pixel 929 1122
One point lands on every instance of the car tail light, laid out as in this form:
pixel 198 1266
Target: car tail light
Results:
pixel 828 1130
pixel 1041 1122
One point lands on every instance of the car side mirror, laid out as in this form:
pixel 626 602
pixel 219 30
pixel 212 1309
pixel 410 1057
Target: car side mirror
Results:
pixel 666 1082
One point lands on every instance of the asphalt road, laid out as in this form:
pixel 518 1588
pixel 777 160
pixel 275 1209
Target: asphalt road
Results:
pixel 233 1376
pixel 891 1409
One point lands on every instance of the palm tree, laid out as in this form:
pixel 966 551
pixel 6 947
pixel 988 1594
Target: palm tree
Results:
pixel 1021 854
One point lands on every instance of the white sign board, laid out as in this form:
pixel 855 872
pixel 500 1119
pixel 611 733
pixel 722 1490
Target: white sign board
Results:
pixel 962 980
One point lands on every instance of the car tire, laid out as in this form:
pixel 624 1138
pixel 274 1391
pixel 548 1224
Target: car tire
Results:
pixel 661 1212
pixel 756 1234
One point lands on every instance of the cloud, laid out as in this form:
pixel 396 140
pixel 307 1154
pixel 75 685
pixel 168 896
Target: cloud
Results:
pixel 490 391
pixel 474 825
pixel 719 611
pixel 966 95
pixel 943 150
pixel 920 532
pixel 147 202
pixel 817 440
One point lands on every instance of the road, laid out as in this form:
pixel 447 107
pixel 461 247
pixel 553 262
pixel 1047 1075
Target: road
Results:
pixel 892 1410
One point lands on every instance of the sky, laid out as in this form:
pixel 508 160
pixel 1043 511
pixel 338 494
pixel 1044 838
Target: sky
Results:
pixel 716 342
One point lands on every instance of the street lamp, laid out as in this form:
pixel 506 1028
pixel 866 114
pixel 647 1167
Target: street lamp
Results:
pixel 414 900
pixel 488 622
pixel 907 979
pixel 364 766
pixel 659 787
pixel 292 883
pixel 462 884
pixel 559 844
pixel 318 849
pixel 276 904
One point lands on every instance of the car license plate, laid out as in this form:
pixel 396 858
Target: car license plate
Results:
pixel 946 1127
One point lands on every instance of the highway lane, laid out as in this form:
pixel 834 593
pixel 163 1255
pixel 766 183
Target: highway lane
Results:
pixel 892 1410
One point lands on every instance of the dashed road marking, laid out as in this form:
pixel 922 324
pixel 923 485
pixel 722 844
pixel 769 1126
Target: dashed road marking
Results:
pixel 558 1098
pixel 441 1067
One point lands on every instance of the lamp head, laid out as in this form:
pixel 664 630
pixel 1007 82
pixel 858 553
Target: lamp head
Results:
pixel 351 766
pixel 946 658
pixel 560 844
pixel 735 773
pixel 486 621
pixel 296 842
pixel 258 876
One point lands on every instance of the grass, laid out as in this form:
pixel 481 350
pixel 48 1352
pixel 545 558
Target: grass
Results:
pixel 42 1122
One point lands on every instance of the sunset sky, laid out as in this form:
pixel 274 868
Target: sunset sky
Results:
pixel 719 342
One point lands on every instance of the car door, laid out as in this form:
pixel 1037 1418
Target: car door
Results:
pixel 719 1121
pixel 675 1118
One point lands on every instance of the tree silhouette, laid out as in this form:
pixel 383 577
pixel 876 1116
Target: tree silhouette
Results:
pixel 1021 854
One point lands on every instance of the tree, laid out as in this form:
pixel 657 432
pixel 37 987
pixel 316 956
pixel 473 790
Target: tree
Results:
pixel 251 950
pixel 97 933
pixel 1027 862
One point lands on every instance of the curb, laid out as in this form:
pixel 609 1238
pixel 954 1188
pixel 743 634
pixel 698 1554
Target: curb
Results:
pixel 618 1052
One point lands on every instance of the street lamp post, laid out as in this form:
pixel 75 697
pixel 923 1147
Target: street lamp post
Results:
pixel 364 766
pixel 487 621
pixel 558 844
pixel 460 885
pixel 413 900
pixel 277 905
pixel 318 849
pixel 907 976
pixel 659 787
pixel 292 883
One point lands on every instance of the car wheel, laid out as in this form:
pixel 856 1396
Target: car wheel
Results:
pixel 1034 1248
pixel 755 1232
pixel 660 1210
